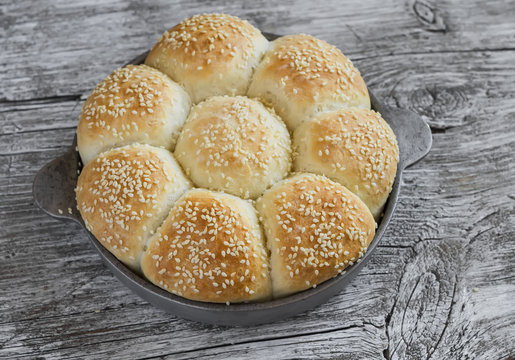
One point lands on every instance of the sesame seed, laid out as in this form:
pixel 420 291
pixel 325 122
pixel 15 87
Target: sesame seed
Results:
pixel 324 210
pixel 135 90
pixel 323 65
pixel 234 146
pixel 201 227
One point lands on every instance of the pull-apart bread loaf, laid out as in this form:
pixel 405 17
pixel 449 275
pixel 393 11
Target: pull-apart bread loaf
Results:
pixel 220 106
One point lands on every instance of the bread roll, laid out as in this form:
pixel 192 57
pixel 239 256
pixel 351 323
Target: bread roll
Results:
pixel 301 76
pixel 234 144
pixel 210 248
pixel 209 54
pixel 124 194
pixel 135 104
pixel 354 147
pixel 315 228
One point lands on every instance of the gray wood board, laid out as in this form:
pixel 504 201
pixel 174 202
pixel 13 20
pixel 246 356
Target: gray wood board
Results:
pixel 440 285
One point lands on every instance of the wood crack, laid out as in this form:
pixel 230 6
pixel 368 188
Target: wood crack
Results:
pixel 42 100
pixel 441 129
pixel 70 314
pixel 388 318
pixel 447 320
pixel 35 151
pixel 38 130
pixel 431 52
pixel 396 246
pixel 265 339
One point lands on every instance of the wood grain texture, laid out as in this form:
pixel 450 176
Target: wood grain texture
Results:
pixel 441 285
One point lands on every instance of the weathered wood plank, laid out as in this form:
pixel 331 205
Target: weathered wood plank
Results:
pixel 75 284
pixel 437 310
pixel 47 47
pixel 39 115
pixel 356 342
pixel 440 285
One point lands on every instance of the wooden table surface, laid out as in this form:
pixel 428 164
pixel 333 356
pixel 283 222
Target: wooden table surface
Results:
pixel 440 285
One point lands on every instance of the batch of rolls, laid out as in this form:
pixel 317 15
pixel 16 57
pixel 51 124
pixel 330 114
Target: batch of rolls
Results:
pixel 228 168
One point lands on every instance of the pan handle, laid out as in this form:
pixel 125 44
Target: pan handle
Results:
pixel 54 184
pixel 413 133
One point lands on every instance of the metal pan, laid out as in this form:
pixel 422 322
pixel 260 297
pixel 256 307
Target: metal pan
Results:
pixel 53 191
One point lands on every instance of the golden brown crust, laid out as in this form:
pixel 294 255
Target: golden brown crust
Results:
pixel 234 144
pixel 208 42
pixel 302 74
pixel 354 147
pixel 210 248
pixel 207 48
pixel 310 66
pixel 124 194
pixel 134 104
pixel 315 228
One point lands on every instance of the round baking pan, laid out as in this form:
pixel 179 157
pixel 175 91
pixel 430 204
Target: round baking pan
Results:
pixel 53 191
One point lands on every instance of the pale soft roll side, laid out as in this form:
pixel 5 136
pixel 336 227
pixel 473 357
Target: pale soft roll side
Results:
pixel 210 248
pixel 234 144
pixel 135 104
pixel 315 228
pixel 355 147
pixel 301 76
pixel 124 194
pixel 209 54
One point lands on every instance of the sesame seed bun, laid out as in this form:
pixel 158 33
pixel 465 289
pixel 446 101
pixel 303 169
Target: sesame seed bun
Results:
pixel 210 248
pixel 354 147
pixel 234 144
pixel 209 54
pixel 135 104
pixel 301 76
pixel 124 194
pixel 315 228
pixel 218 107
